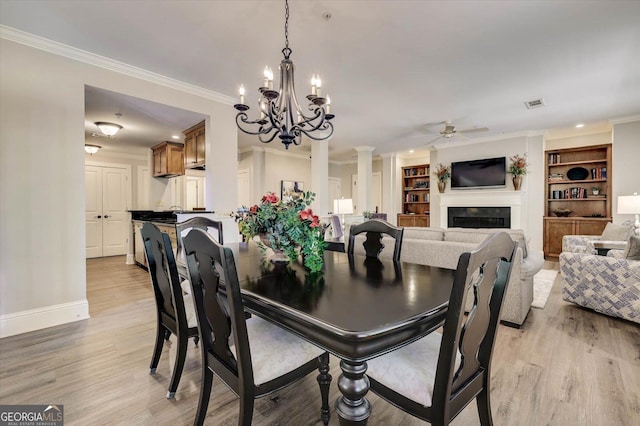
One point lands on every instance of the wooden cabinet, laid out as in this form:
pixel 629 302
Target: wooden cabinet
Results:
pixel 168 159
pixel 413 220
pixel 416 196
pixel 557 227
pixel 169 229
pixel 572 176
pixel 194 147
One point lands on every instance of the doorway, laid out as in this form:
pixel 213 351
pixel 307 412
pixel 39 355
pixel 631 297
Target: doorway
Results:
pixel 107 197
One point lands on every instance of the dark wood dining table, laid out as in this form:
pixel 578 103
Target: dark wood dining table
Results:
pixel 357 308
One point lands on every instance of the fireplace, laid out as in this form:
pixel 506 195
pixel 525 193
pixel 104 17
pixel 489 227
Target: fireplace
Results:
pixel 479 217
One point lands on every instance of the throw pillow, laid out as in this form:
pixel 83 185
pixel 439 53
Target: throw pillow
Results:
pixel 632 252
pixel 613 232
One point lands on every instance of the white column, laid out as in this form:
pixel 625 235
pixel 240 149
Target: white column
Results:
pixel 258 174
pixel 221 159
pixel 391 198
pixel 365 167
pixel 320 176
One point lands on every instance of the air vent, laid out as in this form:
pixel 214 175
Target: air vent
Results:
pixel 536 103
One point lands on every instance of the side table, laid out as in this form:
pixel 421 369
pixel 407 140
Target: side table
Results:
pixel 603 247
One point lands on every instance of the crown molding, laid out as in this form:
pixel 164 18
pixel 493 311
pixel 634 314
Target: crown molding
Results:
pixel 626 119
pixel 343 162
pixel 287 153
pixel 365 148
pixel 37 42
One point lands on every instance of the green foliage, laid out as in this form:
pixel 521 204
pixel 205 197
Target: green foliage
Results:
pixel 442 172
pixel 289 226
pixel 518 165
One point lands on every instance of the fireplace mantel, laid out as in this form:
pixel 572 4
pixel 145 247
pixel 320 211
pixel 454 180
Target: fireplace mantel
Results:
pixel 486 198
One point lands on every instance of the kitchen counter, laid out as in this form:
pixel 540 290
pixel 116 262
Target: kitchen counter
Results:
pixel 163 216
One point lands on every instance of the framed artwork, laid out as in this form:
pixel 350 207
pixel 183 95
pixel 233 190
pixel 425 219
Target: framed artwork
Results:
pixel 291 189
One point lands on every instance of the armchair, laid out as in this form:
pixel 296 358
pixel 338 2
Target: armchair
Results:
pixel 611 234
pixel 607 284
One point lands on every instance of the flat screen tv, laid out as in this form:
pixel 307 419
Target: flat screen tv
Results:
pixel 479 173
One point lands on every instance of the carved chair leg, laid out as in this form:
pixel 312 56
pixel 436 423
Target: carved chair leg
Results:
pixel 484 407
pixel 324 380
pixel 181 355
pixel 157 350
pixel 205 394
pixel 246 409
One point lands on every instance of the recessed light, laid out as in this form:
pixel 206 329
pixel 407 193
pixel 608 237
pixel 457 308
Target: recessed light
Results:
pixel 175 137
pixel 411 151
pixel 579 126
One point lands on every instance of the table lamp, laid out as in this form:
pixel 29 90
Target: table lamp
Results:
pixel 630 204
pixel 343 206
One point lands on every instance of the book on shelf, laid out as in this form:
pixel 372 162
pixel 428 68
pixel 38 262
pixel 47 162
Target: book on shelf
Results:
pixel 554 158
pixel 598 173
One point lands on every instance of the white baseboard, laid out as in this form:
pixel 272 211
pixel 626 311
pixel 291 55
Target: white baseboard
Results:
pixel 130 259
pixel 49 316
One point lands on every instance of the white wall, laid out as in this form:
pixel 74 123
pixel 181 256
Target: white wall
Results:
pixel 626 160
pixel 532 187
pixel 286 166
pixel 42 232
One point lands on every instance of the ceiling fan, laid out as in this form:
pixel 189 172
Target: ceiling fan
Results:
pixel 449 130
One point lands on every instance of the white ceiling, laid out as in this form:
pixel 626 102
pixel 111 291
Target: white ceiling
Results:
pixel 394 69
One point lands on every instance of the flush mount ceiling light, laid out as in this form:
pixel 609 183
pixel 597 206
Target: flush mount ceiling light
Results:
pixel 579 126
pixel 91 149
pixel 109 129
pixel 280 112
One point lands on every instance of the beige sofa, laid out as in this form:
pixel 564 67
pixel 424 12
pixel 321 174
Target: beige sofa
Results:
pixel 442 248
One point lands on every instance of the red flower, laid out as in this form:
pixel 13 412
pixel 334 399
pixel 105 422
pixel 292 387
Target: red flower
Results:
pixel 253 209
pixel 306 214
pixel 270 198
pixel 315 223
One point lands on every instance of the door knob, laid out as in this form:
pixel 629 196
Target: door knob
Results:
pixel 98 217
pixel 106 216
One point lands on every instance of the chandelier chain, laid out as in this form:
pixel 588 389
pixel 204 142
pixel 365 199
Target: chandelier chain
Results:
pixel 286 24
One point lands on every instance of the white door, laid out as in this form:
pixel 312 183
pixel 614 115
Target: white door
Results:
pixel 194 192
pixel 244 189
pixel 376 192
pixel 335 191
pixel 106 211
pixel 93 210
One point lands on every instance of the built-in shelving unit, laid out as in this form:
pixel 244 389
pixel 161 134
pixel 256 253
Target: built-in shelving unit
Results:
pixel 574 176
pixel 416 196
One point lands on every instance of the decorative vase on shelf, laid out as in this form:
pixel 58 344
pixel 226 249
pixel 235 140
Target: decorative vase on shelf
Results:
pixel 517 182
pixel 278 255
pixel 441 186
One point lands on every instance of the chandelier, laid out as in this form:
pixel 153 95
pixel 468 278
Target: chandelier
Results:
pixel 280 112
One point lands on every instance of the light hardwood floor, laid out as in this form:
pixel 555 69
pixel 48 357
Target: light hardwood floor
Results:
pixel 566 366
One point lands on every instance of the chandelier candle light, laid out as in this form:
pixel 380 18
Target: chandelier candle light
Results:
pixel 280 112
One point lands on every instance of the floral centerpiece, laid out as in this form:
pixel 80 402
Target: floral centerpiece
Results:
pixel 517 168
pixel 442 173
pixel 287 225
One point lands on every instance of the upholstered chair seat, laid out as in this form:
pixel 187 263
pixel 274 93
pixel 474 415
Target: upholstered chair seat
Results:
pixel 411 370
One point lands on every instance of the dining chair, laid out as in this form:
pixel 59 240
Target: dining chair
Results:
pixel 198 222
pixel 174 308
pixel 253 357
pixel 375 228
pixel 436 377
